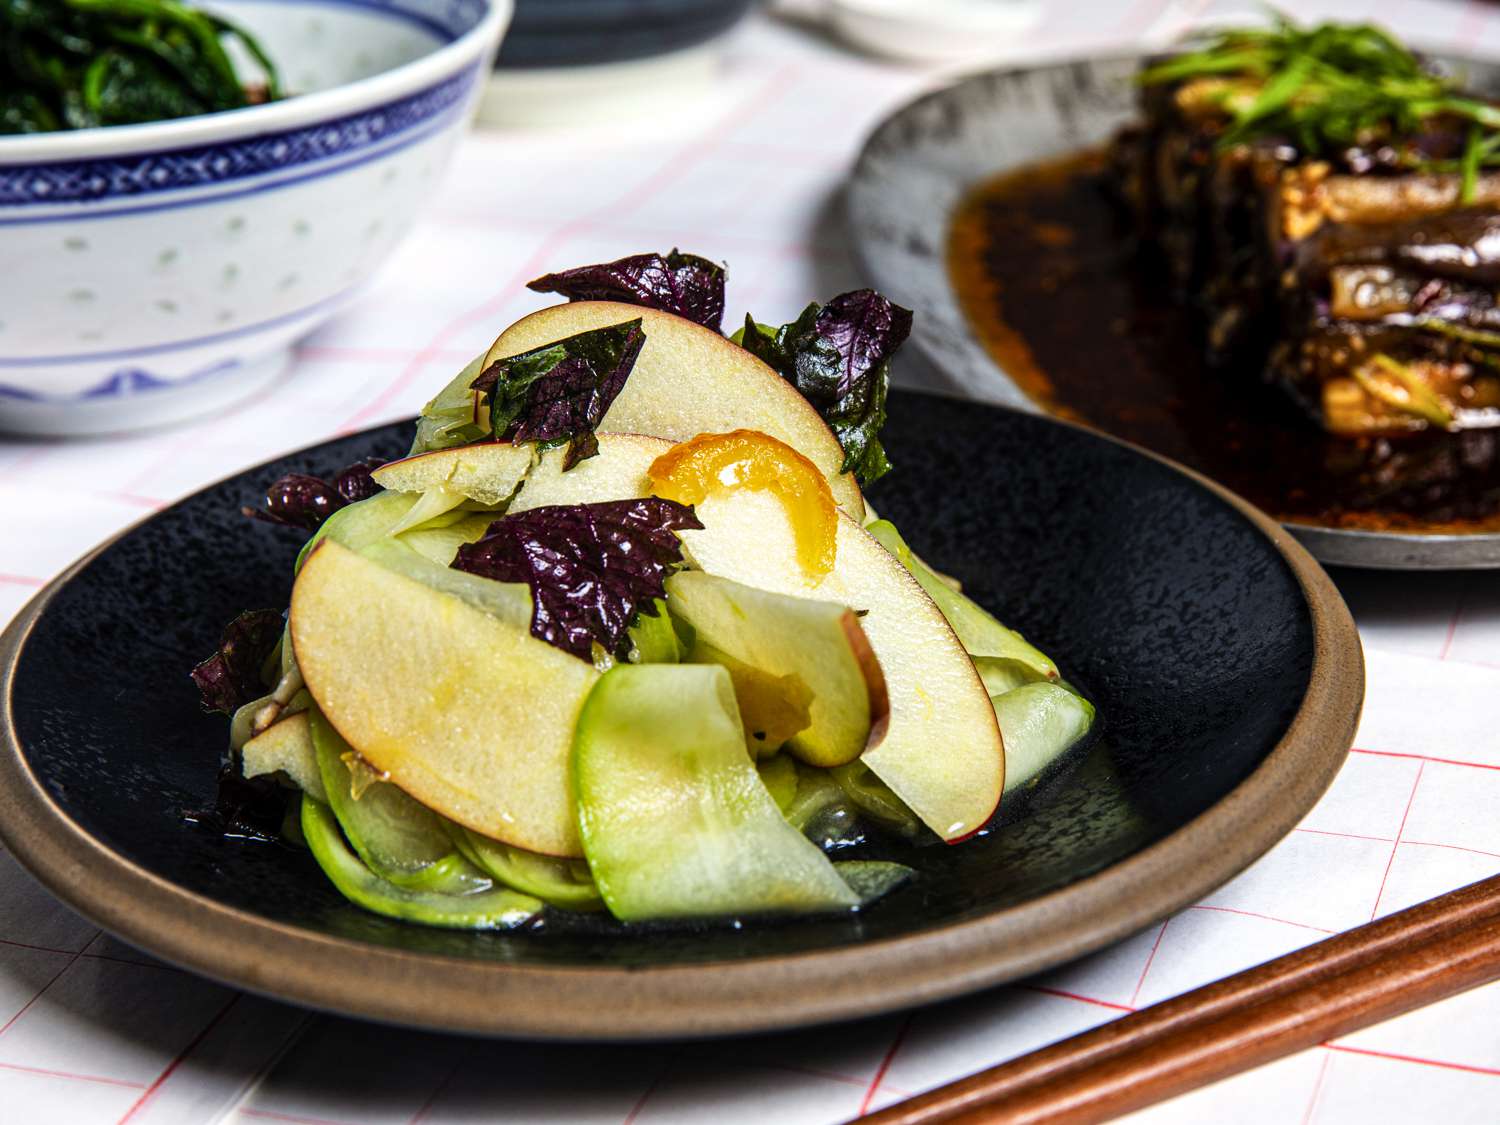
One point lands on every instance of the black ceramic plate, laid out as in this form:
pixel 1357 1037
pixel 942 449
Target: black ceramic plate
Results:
pixel 910 182
pixel 1226 671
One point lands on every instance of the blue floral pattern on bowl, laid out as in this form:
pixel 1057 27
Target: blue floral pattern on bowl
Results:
pixel 170 267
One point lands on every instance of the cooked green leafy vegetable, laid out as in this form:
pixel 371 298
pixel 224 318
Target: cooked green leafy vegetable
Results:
pixel 492 908
pixel 398 838
pixel 75 64
pixel 557 394
pixel 839 356
pixel 455 416
pixel 1335 86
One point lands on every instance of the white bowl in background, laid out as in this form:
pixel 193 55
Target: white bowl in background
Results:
pixel 151 273
pixel 933 31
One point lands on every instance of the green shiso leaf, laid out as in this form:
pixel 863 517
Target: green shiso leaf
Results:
pixel 558 393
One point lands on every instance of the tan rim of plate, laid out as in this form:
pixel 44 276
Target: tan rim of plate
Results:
pixel 758 994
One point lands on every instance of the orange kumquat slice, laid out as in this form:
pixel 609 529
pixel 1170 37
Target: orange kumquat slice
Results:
pixel 714 463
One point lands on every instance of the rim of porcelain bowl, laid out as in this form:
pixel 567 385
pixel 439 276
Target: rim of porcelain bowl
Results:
pixel 272 117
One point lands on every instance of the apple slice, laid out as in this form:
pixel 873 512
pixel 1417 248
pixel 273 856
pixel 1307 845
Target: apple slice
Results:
pixel 942 752
pixel 286 746
pixel 621 471
pixel 772 708
pixel 469 714
pixel 690 380
pixel 819 643
pixel 486 472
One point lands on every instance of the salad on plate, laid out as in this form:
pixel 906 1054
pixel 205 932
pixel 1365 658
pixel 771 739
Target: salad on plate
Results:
pixel 621 633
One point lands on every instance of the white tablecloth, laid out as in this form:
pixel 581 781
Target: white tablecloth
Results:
pixel 93 1031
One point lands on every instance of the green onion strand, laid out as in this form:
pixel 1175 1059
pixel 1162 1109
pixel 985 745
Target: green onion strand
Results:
pixel 1334 86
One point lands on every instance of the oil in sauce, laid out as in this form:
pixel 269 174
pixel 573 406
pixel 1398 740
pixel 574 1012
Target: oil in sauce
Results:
pixel 1056 284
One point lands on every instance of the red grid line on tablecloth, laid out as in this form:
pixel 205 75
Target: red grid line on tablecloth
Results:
pixel 35 453
pixel 1150 957
pixel 1263 917
pixel 1396 843
pixel 215 432
pixel 1047 990
pixel 297 1118
pixel 73 1076
pixel 1448 847
pixel 1343 835
pixel 1389 1056
pixel 1317 1090
pixel 182 1055
pixel 1424 758
pixel 73 957
pixel 885 1065
pixel 640 1102
pixel 150 502
pixel 648 229
pixel 270 1062
pixel 22 580
pixel 1458 612
pixel 723 129
pixel 1392 1056
pixel 437 1091
pixel 84 955
pixel 810 1071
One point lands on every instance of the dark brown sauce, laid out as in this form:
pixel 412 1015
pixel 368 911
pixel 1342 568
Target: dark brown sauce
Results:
pixel 1055 284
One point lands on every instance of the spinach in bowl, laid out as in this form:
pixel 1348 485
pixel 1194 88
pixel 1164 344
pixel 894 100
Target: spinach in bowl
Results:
pixel 76 64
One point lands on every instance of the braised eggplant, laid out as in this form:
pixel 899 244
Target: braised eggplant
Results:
pixel 1320 195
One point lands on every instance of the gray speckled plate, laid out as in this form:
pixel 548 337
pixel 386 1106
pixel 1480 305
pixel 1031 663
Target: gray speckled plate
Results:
pixel 922 160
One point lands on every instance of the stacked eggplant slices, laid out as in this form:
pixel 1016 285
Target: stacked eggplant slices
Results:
pixel 1332 203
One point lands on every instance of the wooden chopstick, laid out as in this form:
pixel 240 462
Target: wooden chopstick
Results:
pixel 1416 957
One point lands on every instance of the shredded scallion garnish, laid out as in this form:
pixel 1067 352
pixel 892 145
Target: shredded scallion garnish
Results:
pixel 1334 86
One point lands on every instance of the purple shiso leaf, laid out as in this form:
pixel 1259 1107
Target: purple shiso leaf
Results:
pixel 230 678
pixel 300 500
pixel 684 284
pixel 839 356
pixel 591 567
pixel 865 329
pixel 558 393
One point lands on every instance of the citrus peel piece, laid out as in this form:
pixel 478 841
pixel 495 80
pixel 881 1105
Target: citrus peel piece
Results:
pixel 702 466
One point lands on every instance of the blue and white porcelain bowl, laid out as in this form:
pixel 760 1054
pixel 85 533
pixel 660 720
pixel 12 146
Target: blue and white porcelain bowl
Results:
pixel 150 273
